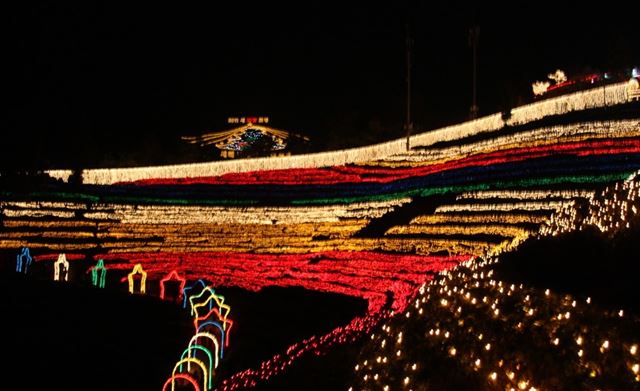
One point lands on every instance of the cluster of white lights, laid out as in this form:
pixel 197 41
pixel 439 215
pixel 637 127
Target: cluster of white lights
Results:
pixel 470 316
pixel 610 210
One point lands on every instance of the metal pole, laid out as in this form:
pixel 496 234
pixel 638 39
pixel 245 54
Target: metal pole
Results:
pixel 474 34
pixel 408 125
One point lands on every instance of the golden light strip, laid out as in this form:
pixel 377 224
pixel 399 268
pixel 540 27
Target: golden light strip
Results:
pixel 47 234
pixel 12 244
pixel 419 246
pixel 486 229
pixel 338 229
pixel 76 224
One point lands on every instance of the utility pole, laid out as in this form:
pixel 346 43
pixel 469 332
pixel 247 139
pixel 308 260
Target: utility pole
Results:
pixel 474 36
pixel 408 124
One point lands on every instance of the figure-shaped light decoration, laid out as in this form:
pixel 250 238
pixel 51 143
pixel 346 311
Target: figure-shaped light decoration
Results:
pixel 23 260
pixel 185 291
pixel 558 76
pixel 137 269
pixel 184 376
pixel 173 275
pixel 205 326
pixel 190 352
pixel 61 268
pixel 99 274
pixel 189 360
pixel 540 87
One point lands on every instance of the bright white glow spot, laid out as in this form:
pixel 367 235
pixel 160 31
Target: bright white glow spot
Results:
pixel 558 76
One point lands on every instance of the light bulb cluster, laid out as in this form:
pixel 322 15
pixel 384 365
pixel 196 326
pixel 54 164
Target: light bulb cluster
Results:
pixel 609 211
pixel 505 335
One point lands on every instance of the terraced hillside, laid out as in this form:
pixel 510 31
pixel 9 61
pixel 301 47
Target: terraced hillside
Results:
pixel 375 223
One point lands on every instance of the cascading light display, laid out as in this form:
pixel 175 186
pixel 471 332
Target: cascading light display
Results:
pixel 322 223
pixel 612 95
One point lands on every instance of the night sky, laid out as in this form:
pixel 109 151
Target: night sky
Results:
pixel 113 85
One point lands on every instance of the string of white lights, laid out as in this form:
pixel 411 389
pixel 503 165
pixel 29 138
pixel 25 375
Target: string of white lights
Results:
pixel 607 96
pixel 507 207
pixel 525 194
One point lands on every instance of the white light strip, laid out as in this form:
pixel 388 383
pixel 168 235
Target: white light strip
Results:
pixel 602 96
pixel 38 213
pixel 549 205
pixel 246 215
pixel 194 214
pixel 525 194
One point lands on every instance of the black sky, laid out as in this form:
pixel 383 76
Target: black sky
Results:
pixel 101 84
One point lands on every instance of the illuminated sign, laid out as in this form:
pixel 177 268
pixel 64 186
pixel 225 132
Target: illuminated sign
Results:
pixel 248 120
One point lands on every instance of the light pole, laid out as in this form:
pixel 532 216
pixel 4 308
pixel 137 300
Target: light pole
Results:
pixel 474 36
pixel 408 124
